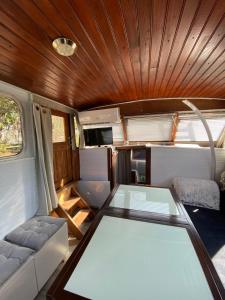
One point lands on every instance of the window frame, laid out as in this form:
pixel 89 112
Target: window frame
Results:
pixel 20 154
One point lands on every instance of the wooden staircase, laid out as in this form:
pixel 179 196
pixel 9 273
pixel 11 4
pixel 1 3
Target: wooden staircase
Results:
pixel 73 208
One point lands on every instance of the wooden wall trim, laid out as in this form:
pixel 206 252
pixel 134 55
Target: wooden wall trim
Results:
pixel 124 128
pixel 76 164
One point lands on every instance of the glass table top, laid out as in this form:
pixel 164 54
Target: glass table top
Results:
pixel 150 199
pixel 130 260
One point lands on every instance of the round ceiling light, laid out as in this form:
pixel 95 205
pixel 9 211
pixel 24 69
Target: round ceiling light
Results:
pixel 64 46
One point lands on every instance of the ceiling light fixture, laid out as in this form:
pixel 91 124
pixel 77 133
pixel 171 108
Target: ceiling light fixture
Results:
pixel 64 46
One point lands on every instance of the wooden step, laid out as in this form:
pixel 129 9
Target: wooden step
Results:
pixel 81 216
pixel 71 224
pixel 66 192
pixel 73 208
pixel 71 204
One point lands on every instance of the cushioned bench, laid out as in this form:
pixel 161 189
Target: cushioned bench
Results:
pixel 17 273
pixel 29 255
pixel 35 232
pixel 11 259
pixel 197 192
pixel 46 235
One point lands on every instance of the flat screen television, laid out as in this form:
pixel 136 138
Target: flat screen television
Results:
pixel 98 136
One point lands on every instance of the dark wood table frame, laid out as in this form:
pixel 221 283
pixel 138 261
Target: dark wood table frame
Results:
pixel 57 291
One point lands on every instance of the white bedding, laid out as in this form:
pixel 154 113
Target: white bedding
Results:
pixel 197 192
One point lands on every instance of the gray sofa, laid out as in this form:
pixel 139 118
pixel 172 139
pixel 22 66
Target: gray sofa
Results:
pixel 29 255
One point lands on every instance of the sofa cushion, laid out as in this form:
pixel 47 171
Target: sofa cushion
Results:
pixel 11 258
pixel 35 232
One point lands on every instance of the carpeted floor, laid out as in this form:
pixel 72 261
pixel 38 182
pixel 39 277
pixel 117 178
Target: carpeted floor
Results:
pixel 210 225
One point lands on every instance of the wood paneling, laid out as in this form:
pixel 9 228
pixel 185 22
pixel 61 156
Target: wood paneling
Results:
pixel 62 156
pixel 165 106
pixel 127 50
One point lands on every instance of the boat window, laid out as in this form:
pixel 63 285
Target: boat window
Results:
pixel 11 138
pixel 192 130
pixel 149 129
pixel 58 129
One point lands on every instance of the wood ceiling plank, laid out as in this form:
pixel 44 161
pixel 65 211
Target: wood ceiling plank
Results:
pixel 159 23
pixel 132 32
pixel 144 16
pixel 186 22
pixel 60 17
pixel 39 80
pixel 9 51
pixel 210 79
pixel 6 71
pixel 209 74
pixel 104 26
pixel 210 66
pixel 210 37
pixel 213 85
pixel 24 52
pixel 127 50
pixel 115 19
pixel 174 15
pixel 29 32
pixel 195 36
pixel 87 19
pixel 102 81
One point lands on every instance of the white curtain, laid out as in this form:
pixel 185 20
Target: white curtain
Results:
pixel 44 153
pixel 81 132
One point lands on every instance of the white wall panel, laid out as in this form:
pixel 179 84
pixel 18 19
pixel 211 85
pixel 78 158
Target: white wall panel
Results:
pixel 18 194
pixel 94 192
pixel 94 164
pixel 169 162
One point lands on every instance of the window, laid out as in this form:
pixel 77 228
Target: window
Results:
pixel 145 129
pixel 58 129
pixel 11 141
pixel 192 129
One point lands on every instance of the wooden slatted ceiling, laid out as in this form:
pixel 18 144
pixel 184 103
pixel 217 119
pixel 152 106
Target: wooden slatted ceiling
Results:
pixel 127 50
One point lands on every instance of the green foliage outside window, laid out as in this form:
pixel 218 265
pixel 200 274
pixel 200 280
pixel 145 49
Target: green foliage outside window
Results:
pixel 10 127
